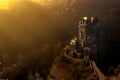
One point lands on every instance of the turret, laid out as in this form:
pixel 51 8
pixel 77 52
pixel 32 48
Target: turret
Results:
pixel 82 31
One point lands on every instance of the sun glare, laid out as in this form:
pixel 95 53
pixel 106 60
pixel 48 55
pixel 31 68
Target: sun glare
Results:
pixel 5 4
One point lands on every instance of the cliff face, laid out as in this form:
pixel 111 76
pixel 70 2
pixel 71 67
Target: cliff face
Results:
pixel 66 68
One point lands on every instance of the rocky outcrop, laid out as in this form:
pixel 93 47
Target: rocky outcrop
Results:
pixel 68 68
